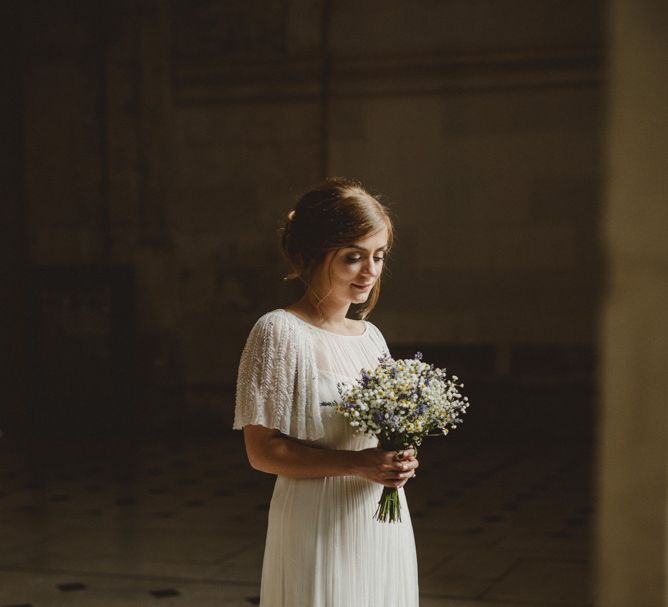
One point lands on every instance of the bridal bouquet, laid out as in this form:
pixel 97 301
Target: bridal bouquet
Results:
pixel 401 402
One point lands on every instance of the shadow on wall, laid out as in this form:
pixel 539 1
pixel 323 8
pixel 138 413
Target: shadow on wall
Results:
pixel 81 353
pixel 548 392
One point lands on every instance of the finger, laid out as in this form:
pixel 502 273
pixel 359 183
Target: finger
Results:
pixel 398 476
pixel 397 456
pixel 397 470
pixel 405 467
pixel 391 468
pixel 397 466
pixel 403 454
pixel 394 484
pixel 400 466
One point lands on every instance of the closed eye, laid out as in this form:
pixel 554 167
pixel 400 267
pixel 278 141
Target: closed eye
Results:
pixel 351 259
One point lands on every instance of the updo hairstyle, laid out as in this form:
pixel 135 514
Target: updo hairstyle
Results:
pixel 329 217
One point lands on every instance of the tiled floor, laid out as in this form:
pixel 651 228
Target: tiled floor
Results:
pixel 183 523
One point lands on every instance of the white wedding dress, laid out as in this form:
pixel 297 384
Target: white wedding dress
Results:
pixel 323 547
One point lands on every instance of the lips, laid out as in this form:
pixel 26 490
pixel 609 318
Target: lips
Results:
pixel 363 286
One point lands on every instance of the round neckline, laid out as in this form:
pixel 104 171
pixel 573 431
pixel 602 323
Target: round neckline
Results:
pixel 308 324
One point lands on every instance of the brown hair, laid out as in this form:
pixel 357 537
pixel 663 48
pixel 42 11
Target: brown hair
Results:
pixel 333 215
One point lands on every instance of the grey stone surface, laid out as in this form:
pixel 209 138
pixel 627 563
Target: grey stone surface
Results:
pixel 189 516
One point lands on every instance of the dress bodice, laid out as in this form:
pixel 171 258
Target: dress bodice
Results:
pixel 340 358
pixel 289 367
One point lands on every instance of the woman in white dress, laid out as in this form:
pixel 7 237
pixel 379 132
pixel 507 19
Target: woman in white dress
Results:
pixel 323 546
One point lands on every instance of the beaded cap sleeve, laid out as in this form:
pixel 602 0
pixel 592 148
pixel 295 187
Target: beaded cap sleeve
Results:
pixel 277 383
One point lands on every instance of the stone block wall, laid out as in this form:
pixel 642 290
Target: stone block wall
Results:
pixel 172 137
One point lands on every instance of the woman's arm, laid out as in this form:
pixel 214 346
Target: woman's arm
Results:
pixel 271 451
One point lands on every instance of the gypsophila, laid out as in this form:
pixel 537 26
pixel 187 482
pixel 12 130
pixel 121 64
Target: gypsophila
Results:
pixel 400 402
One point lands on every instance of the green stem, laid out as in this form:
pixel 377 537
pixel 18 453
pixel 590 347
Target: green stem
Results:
pixel 389 507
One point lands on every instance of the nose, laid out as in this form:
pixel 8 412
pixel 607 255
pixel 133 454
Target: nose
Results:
pixel 371 267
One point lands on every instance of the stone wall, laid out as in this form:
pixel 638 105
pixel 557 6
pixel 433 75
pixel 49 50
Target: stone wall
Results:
pixel 172 137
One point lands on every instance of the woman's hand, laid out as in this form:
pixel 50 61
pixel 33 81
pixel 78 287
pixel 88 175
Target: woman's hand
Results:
pixel 380 466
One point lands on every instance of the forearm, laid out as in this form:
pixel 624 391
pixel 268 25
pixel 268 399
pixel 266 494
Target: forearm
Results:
pixel 285 456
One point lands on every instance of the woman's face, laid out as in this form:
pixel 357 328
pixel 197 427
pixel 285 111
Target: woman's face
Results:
pixel 353 270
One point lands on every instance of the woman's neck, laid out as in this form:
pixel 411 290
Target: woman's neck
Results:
pixel 329 314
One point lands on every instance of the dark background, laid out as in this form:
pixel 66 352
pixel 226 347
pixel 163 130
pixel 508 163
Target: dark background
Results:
pixel 150 150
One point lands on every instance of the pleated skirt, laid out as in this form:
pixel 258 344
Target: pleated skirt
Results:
pixel 325 549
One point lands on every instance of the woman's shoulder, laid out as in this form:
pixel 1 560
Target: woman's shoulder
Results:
pixel 276 325
pixel 277 317
pixel 277 340
pixel 281 321
pixel 372 327
pixel 376 335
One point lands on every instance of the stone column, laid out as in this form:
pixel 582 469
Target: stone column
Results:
pixel 140 123
pixel 633 454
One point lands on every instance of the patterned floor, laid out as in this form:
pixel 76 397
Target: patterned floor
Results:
pixel 182 522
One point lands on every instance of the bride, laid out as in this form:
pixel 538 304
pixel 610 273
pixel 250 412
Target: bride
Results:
pixel 323 546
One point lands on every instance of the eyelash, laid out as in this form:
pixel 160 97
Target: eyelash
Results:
pixel 352 260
